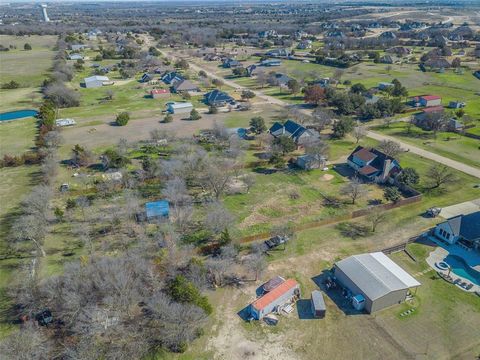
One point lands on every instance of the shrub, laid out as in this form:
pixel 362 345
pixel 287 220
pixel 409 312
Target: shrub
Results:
pixel 184 291
pixel 168 118
pixel 194 115
pixel 391 194
pixel 27 47
pixel 11 85
pixel 212 109
pixel 122 118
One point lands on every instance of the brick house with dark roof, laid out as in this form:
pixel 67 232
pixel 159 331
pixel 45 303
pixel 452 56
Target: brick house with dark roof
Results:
pixel 299 134
pixel 374 165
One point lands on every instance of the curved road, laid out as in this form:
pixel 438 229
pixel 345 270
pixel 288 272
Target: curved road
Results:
pixel 470 170
pixel 376 136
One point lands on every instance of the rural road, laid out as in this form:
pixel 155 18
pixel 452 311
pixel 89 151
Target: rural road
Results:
pixel 373 135
pixel 470 170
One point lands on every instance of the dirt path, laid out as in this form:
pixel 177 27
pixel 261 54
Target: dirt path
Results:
pixel 429 155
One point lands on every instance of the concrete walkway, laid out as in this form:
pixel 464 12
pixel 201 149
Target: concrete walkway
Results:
pixel 464 208
pixel 428 155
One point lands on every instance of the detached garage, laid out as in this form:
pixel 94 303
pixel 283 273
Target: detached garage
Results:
pixel 374 280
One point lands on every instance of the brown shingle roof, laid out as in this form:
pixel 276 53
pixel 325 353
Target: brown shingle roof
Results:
pixel 364 154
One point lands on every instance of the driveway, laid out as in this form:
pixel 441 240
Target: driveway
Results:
pixel 470 170
pixel 464 208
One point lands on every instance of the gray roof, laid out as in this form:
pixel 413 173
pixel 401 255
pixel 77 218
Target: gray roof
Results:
pixel 466 226
pixel 375 274
pixel 317 300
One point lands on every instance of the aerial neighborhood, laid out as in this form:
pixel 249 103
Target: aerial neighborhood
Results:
pixel 240 180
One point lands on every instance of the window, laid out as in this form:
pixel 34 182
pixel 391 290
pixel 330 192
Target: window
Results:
pixel 448 236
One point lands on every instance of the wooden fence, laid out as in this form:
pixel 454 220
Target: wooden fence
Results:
pixel 337 219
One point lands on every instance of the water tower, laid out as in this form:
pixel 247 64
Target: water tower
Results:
pixel 44 11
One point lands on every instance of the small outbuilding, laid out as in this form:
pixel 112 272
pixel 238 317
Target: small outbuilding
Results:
pixel 157 209
pixel 318 304
pixel 65 122
pixel 179 108
pixel 285 293
pixel 158 93
pixel 96 81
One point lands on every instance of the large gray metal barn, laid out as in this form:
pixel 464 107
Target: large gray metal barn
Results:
pixel 374 280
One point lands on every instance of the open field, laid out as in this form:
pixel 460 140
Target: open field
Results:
pixel 34 65
pixel 451 145
pixel 17 136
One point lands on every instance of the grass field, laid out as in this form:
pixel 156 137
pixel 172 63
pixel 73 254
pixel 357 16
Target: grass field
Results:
pixel 451 145
pixel 34 65
pixel 17 136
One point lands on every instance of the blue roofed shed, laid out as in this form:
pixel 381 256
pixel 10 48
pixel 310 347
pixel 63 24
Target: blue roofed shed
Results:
pixel 157 209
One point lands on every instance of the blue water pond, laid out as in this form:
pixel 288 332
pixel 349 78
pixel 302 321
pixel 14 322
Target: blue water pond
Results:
pixel 19 114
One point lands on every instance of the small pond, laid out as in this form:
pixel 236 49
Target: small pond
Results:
pixel 19 114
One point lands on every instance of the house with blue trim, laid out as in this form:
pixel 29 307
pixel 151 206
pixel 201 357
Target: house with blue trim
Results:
pixel 374 165
pixel 464 229
pixel 171 77
pixel 298 133
pixel 217 98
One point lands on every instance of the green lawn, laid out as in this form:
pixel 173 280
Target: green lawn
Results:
pixel 451 145
pixel 17 136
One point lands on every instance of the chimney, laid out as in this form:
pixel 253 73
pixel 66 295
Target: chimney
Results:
pixel 386 169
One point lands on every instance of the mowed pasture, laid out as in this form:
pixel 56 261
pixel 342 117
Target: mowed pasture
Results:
pixel 17 136
pixel 28 68
pixel 451 145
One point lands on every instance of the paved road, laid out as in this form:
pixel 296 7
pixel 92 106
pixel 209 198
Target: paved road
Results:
pixel 429 155
pixel 416 150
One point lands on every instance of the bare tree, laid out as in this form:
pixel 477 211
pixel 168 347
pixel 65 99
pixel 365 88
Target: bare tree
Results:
pixel 30 228
pixel 218 218
pixel 256 263
pixel 321 118
pixel 249 181
pixel 318 151
pixel 29 342
pixel 439 175
pixel 83 203
pixel 354 190
pixel 216 176
pixel 376 216
pixel 390 148
pixel 359 132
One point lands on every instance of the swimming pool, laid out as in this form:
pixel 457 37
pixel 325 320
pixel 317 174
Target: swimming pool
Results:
pixel 19 114
pixel 461 268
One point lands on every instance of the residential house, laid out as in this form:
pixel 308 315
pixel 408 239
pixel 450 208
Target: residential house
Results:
pixel 437 63
pixel 455 125
pixel 218 98
pixel 96 81
pixel 426 100
pixel 386 59
pixel 179 107
pixel 371 98
pixel 282 52
pixel 399 50
pixel 463 229
pixel 324 82
pixel 477 74
pixel 250 69
pixel 158 93
pixel 184 86
pixel 309 162
pixel 374 165
pixel 78 47
pixel 388 35
pixel 270 62
pixel 267 34
pixel 75 57
pixel 299 134
pixel 231 63
pixel 285 293
pixel 425 113
pixel 170 77
pixel 146 77
pixel 456 104
pixel 373 281
pixel 279 79
pixel 304 45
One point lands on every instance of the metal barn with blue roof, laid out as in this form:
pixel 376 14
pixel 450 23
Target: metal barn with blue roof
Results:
pixel 157 209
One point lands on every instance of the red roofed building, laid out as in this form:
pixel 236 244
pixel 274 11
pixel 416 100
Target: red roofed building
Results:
pixel 425 113
pixel 156 93
pixel 426 100
pixel 283 294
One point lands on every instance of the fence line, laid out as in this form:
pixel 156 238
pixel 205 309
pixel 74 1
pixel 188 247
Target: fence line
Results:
pixel 336 219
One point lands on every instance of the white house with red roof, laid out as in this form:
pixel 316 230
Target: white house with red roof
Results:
pixel 426 100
